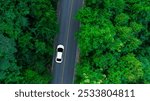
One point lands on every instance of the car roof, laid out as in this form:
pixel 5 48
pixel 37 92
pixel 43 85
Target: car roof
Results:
pixel 59 55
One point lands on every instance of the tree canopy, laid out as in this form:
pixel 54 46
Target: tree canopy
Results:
pixel 27 30
pixel 114 41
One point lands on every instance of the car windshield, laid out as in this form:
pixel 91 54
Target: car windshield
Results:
pixel 60 50
pixel 58 59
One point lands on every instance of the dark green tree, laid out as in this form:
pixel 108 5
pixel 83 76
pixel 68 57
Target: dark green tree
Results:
pixel 27 30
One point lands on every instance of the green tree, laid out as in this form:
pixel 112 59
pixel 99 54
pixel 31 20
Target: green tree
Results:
pixel 27 30
pixel 114 41
pixel 9 71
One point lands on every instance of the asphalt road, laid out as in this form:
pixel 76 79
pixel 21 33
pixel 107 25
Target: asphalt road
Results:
pixel 64 73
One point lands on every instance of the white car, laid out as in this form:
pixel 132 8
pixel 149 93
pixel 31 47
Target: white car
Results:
pixel 60 49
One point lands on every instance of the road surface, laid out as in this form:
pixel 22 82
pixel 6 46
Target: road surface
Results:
pixel 64 73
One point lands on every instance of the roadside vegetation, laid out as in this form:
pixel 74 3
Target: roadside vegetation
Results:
pixel 27 30
pixel 114 42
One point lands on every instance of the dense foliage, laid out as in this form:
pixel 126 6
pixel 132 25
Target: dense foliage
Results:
pixel 27 30
pixel 114 41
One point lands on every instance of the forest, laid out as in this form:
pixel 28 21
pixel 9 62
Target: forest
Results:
pixel 114 42
pixel 27 31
